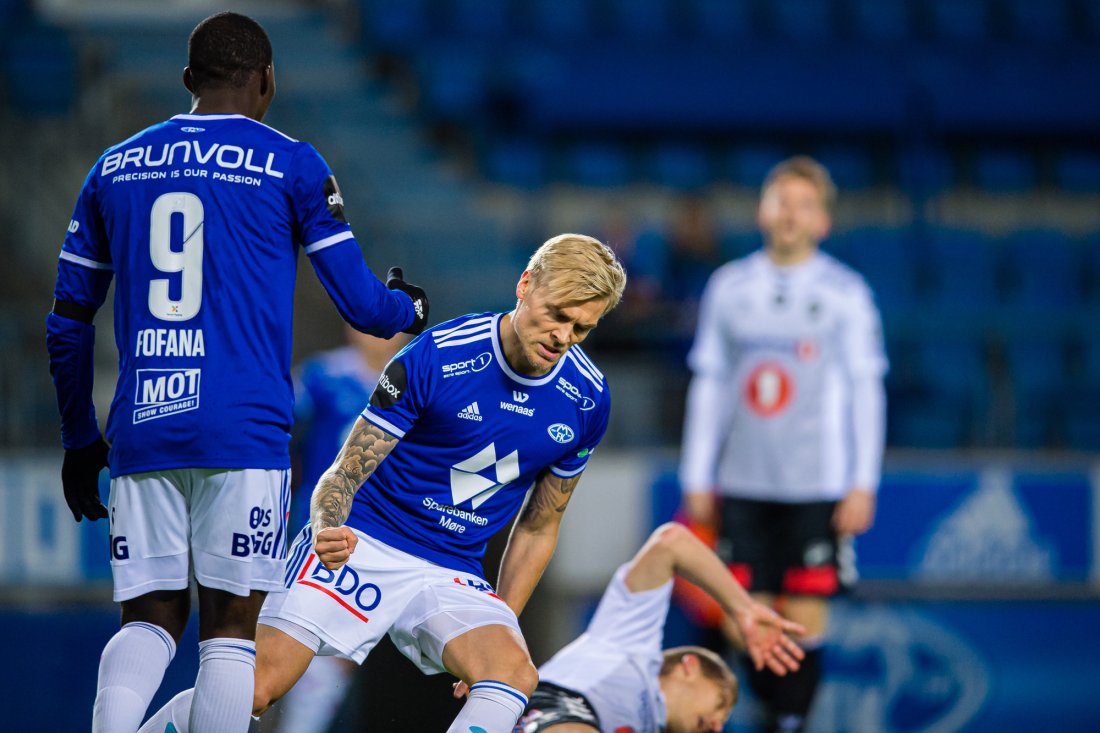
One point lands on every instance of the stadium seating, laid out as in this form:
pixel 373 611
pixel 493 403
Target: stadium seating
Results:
pixel 1005 171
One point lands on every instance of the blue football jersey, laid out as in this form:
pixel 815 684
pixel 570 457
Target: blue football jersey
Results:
pixel 475 435
pixel 200 219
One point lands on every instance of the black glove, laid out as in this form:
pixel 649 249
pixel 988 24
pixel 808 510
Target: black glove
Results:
pixel 395 281
pixel 80 478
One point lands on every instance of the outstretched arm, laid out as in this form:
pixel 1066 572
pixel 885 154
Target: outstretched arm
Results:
pixel 673 550
pixel 533 538
pixel 330 505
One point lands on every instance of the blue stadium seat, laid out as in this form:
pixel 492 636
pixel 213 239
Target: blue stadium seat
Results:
pixel 521 163
pixel 884 258
pixel 1039 20
pixel 1082 428
pixel 395 24
pixel 927 421
pixel 953 368
pixel 600 165
pixel 965 21
pixel 803 20
pixel 1005 171
pixel 925 170
pixel 477 19
pixel 1078 171
pixel 1090 266
pixel 749 164
pixel 1039 377
pixel 850 166
pixel 41 72
pixel 453 83
pixel 882 20
pixel 644 19
pixel 679 166
pixel 948 399
pixel 1042 270
pixel 561 20
pixel 1090 365
pixel 723 19
pixel 963 273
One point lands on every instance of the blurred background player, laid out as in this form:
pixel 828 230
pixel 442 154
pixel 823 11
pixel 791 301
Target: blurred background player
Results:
pixel 785 420
pixel 201 218
pixel 483 416
pixel 615 677
pixel 330 390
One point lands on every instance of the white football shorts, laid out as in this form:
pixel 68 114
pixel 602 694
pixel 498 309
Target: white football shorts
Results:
pixel 227 527
pixel 381 589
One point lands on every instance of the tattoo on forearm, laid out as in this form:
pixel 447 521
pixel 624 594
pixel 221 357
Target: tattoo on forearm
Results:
pixel 362 452
pixel 550 496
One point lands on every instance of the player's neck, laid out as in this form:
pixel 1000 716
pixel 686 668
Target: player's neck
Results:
pixel 788 257
pixel 225 102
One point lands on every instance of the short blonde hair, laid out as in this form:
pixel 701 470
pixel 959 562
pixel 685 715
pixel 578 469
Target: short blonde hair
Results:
pixel 576 268
pixel 805 167
pixel 711 665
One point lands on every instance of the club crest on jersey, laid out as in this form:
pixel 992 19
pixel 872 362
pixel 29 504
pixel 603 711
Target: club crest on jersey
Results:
pixel 560 432
pixel 164 392
pixel 334 200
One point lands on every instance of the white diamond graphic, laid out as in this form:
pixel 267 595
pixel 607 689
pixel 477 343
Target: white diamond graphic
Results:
pixel 467 484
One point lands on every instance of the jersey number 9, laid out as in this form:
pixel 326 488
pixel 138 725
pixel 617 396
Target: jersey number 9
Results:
pixel 187 262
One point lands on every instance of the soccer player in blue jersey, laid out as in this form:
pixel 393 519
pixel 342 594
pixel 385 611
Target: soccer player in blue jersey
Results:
pixel 330 389
pixel 201 219
pixel 477 418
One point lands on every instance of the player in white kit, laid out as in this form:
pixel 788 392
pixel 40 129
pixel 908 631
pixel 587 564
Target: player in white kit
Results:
pixel 614 678
pixel 476 419
pixel 785 419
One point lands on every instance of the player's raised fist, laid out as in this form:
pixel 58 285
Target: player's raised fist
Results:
pixel 334 546
pixel 395 280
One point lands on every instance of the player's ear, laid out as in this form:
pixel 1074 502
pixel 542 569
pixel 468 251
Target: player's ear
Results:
pixel 188 82
pixel 690 664
pixel 523 285
pixel 267 79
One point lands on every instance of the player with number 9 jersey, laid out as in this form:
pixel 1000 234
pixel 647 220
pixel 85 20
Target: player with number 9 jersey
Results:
pixel 201 219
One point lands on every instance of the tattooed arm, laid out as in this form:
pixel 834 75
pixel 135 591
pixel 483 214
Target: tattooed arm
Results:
pixel 533 538
pixel 330 505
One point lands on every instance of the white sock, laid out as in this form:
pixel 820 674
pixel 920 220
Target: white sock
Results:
pixel 175 713
pixel 312 703
pixel 224 687
pixel 130 671
pixel 493 707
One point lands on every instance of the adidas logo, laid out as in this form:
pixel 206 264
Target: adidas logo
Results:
pixel 470 412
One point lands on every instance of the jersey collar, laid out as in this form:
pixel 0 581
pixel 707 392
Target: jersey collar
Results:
pixel 511 373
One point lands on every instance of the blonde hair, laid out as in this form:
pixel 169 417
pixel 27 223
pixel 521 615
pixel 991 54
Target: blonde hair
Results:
pixel 575 268
pixel 805 167
pixel 711 665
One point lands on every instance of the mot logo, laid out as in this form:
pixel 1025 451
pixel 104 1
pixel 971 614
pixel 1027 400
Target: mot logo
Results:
pixel 163 392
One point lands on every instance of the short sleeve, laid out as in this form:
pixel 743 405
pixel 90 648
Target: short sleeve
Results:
pixel 317 201
pixel 575 460
pixel 404 388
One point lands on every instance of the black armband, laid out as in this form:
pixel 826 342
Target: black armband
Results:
pixel 74 312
